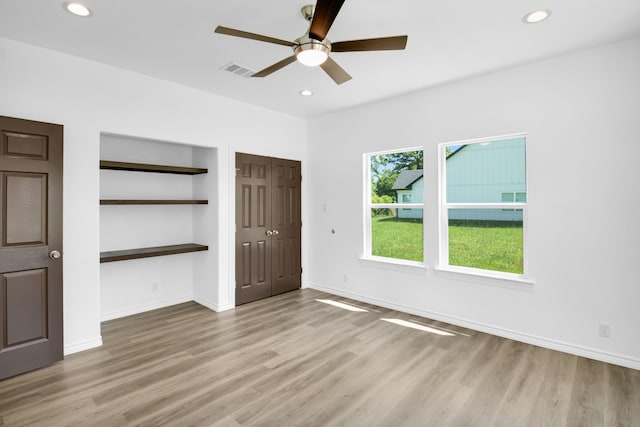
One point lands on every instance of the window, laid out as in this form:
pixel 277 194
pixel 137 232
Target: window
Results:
pixel 511 196
pixel 483 204
pixel 406 198
pixel 394 185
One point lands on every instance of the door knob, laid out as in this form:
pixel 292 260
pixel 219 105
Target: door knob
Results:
pixel 269 233
pixel 276 232
pixel 54 255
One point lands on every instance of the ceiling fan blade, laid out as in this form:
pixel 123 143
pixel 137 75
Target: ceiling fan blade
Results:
pixel 252 36
pixel 336 72
pixel 382 43
pixel 324 15
pixel 275 67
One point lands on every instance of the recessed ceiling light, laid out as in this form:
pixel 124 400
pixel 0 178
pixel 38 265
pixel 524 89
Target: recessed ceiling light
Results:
pixel 536 16
pixel 306 92
pixel 77 9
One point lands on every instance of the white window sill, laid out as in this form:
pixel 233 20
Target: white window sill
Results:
pixel 413 267
pixel 484 277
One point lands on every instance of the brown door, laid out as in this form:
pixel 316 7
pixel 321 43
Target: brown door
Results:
pixel 253 224
pixel 286 225
pixel 268 227
pixel 30 245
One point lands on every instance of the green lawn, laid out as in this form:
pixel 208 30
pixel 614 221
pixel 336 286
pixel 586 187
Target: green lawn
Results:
pixel 486 245
pixel 396 238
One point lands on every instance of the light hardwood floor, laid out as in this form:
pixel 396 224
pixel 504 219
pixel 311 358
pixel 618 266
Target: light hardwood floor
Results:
pixel 293 361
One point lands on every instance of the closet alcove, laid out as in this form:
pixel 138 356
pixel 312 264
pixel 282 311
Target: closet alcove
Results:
pixel 158 224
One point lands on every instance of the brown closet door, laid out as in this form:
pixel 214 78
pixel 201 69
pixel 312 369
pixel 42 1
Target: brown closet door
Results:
pixel 286 226
pixel 30 229
pixel 267 227
pixel 253 221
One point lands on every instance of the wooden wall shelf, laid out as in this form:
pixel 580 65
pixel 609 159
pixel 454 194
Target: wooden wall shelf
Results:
pixel 145 167
pixel 152 202
pixel 127 254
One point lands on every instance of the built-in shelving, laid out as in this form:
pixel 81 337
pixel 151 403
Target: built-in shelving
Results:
pixel 152 202
pixel 146 167
pixel 137 253
pixel 127 254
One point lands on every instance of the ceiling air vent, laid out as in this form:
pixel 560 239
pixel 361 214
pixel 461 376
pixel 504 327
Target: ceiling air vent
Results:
pixel 238 69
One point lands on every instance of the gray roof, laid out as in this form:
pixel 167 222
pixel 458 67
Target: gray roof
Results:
pixel 406 179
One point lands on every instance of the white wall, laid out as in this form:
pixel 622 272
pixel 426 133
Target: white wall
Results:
pixel 581 112
pixel 205 226
pixel 89 98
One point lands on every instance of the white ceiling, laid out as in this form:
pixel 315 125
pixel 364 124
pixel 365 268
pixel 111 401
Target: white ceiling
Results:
pixel 448 40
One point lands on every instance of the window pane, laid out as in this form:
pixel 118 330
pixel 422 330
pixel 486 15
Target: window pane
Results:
pixel 486 239
pixel 487 172
pixel 397 233
pixel 395 175
pixel 507 197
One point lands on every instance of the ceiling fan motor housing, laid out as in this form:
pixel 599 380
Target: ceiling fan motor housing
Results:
pixel 311 52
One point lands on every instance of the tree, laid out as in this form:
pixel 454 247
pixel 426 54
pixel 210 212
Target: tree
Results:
pixel 407 160
pixel 381 211
pixel 383 184
pixel 385 169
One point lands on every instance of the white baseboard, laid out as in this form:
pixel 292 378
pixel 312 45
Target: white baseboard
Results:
pixel 565 347
pixel 145 307
pixel 82 345
pixel 211 305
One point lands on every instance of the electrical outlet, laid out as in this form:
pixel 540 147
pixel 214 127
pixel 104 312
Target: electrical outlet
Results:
pixel 604 330
pixel 346 277
pixel 154 287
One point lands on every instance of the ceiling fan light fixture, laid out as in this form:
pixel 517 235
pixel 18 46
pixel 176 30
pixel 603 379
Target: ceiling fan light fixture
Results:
pixel 311 52
pixel 311 58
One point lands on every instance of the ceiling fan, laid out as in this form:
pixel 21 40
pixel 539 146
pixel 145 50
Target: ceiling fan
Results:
pixel 313 47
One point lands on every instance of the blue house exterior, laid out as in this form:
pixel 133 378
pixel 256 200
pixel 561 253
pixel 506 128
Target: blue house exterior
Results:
pixel 409 188
pixel 491 172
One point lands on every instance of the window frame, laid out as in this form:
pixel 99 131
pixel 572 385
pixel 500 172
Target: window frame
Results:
pixel 367 254
pixel 443 218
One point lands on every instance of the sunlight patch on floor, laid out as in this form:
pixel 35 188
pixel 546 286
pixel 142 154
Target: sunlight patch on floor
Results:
pixel 440 328
pixel 342 305
pixel 419 327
